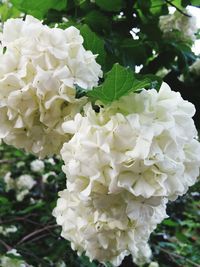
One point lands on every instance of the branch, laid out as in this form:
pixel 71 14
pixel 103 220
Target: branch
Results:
pixel 36 232
pixel 177 8
pixel 5 245
pixel 172 254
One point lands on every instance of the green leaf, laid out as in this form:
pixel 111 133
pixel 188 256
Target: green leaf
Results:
pixel 40 7
pixel 110 5
pixel 119 81
pixel 94 43
pixel 195 3
pixel 144 4
pixel 170 223
pixel 7 12
pixel 35 206
pixel 98 21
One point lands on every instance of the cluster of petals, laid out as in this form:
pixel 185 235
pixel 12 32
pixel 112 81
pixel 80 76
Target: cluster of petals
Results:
pixel 144 143
pixel 179 26
pixel 39 69
pixel 109 227
pixel 122 164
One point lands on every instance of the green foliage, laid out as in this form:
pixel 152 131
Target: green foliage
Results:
pixel 94 43
pixel 108 5
pixel 38 8
pixel 7 12
pixel 119 81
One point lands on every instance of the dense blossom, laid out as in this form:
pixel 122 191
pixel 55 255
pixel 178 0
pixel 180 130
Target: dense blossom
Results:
pixel 140 143
pixel 109 227
pixel 38 74
pixel 178 26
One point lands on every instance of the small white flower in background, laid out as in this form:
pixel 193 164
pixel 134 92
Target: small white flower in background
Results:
pixel 50 161
pixel 9 181
pixel 6 261
pixel 20 195
pixel 20 164
pixel 8 230
pixel 46 176
pixel 61 264
pixel 185 25
pixel 25 181
pixel 38 75
pixel 153 264
pixel 195 67
pixel 37 165
pixel 22 184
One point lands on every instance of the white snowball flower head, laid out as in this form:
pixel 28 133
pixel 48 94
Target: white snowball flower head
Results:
pixel 109 227
pixel 145 143
pixel 38 74
pixel 184 24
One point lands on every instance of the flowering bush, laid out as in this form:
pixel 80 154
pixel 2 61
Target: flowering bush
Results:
pixel 127 142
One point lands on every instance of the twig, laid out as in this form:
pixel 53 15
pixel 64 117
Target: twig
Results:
pixel 177 8
pixel 4 161
pixel 38 238
pixel 36 232
pixel 172 254
pixel 5 245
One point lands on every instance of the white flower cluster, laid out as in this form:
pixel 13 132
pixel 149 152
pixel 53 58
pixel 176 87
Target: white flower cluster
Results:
pixel 185 25
pixel 122 165
pixel 6 231
pixel 140 143
pixel 22 184
pixel 37 165
pixel 38 74
pixel 109 226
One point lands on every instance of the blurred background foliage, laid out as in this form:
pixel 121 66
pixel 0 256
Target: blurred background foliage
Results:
pixel 127 32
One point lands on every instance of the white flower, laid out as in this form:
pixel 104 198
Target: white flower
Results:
pixel 9 181
pixel 7 230
pixel 17 261
pixel 144 143
pixel 20 195
pixel 25 182
pixel 195 67
pixel 38 74
pixel 153 264
pixel 185 25
pixel 50 161
pixel 37 165
pixel 22 184
pixel 105 228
